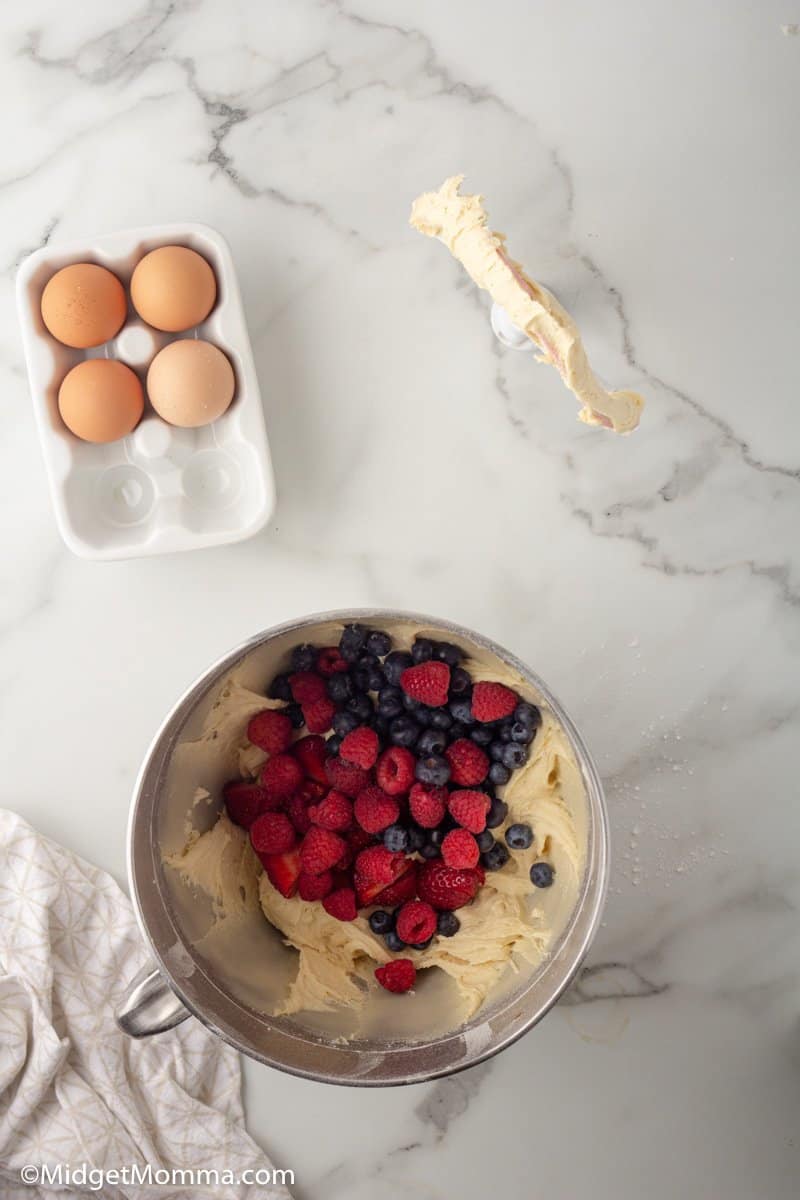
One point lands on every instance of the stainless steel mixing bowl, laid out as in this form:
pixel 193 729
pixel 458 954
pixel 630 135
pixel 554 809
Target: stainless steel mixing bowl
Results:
pixel 181 982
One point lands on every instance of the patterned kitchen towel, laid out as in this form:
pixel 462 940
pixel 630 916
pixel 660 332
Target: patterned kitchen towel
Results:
pixel 75 1093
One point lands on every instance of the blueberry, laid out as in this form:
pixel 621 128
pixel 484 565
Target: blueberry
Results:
pixel 422 650
pixel 403 731
pixel 514 755
pixel 432 741
pixel 295 714
pixel 433 769
pixel 485 840
pixel 420 945
pixel 521 733
pixel 361 706
pixel 416 838
pixel 381 921
pixel 496 750
pixel 380 725
pixel 340 687
pixel 333 743
pixel 528 715
pixel 351 643
pixel 368 677
pixel 379 643
pixel 304 658
pixel 446 652
pixel 279 688
pixel 496 858
pixel 498 774
pixel 461 710
pixel 440 718
pixel 345 722
pixel 436 836
pixel 393 942
pixel 498 811
pixel 390 701
pixel 481 736
pixel 447 924
pixel 460 682
pixel 395 839
pixel 421 714
pixel 519 837
pixel 395 663
pixel 457 731
pixel 504 732
pixel 542 874
pixel 429 850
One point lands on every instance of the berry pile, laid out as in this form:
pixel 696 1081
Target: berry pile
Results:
pixel 393 809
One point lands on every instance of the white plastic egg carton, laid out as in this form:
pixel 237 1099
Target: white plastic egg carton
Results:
pixel 160 489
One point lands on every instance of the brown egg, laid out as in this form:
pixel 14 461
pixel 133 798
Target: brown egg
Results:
pixel 173 288
pixel 100 400
pixel 84 305
pixel 190 383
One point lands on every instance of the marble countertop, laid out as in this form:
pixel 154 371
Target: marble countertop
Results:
pixel 641 159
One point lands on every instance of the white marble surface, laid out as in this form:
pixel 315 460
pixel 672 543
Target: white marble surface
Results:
pixel 642 158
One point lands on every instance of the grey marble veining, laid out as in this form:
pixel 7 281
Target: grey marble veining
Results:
pixel 641 162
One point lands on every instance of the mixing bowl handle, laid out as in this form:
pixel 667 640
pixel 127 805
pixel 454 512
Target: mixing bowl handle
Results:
pixel 149 1005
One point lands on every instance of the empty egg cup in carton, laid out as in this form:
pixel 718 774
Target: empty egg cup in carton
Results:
pixel 161 488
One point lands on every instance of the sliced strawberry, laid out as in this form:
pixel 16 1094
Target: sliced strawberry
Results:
pixel 446 887
pixel 283 871
pixel 310 752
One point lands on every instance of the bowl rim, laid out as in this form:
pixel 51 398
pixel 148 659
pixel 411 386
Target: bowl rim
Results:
pixel 141 849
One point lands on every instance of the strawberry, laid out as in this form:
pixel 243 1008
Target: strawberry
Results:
pixel 310 752
pixel 347 777
pixel 395 770
pixel 314 887
pixel 427 804
pixel 307 686
pixel 469 809
pixel 360 746
pixel 399 868
pixel 446 887
pixel 399 975
pixel 283 871
pixel 468 763
pixel 321 850
pixel 281 775
pixel 272 833
pixel 330 661
pixel 374 810
pixel 334 812
pixel 244 801
pixel 427 682
pixel 318 714
pixel 492 701
pixel 459 849
pixel 297 810
pixel 416 922
pixel 403 888
pixel 341 904
pixel 270 730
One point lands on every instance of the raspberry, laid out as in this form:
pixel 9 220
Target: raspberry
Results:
pixel 395 770
pixel 330 661
pixel 446 887
pixel 318 715
pixel 359 838
pixel 270 730
pixel 244 802
pixel 469 809
pixel 310 752
pixel 341 904
pixel 427 804
pixel 272 833
pixel 459 849
pixel 377 865
pixel 281 775
pixel 314 887
pixel 360 746
pixel 399 975
pixel 404 887
pixel 307 686
pixel 492 701
pixel 416 922
pixel 298 813
pixel 374 810
pixel 334 812
pixel 321 850
pixel 347 777
pixel 468 763
pixel 428 682
pixel 283 871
